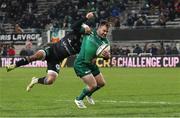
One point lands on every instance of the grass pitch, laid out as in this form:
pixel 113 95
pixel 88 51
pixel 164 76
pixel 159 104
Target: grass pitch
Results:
pixel 131 92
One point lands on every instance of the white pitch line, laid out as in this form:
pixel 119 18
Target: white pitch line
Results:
pixel 129 102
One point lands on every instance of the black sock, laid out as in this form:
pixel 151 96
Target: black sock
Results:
pixel 22 62
pixel 42 80
pixel 95 89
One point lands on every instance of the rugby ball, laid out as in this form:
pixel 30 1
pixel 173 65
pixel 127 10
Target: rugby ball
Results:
pixel 103 47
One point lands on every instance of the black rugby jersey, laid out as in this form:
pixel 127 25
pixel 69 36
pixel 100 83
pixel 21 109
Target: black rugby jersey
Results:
pixel 70 44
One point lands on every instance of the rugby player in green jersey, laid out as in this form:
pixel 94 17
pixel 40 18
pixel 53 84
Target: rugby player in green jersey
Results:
pixel 69 45
pixel 85 66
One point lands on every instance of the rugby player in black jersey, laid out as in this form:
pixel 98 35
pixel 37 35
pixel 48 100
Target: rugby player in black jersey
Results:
pixel 69 45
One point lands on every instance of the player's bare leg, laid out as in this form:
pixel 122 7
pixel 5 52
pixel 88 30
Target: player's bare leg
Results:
pixel 39 55
pixel 48 80
pixel 100 83
pixel 90 81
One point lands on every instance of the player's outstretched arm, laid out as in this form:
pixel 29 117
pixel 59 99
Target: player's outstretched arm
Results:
pixel 87 29
pixel 89 15
pixel 77 25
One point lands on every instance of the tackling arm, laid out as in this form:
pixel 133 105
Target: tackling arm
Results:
pixel 77 25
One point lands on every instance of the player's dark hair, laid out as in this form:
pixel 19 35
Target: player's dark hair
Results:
pixel 104 22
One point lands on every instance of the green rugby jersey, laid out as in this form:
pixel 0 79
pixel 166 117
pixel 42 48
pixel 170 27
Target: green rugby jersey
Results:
pixel 89 46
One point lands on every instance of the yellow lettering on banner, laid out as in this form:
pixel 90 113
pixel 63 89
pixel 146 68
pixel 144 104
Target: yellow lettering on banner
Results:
pixel 102 63
pixel 64 62
pixel 99 62
pixel 107 63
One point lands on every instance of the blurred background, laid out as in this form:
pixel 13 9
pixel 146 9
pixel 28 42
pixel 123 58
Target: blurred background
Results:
pixel 139 27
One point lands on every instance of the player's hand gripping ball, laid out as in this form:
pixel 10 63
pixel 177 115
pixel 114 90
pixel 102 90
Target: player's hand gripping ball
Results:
pixel 103 51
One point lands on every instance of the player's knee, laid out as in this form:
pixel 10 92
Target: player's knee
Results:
pixel 51 77
pixel 39 55
pixel 50 81
pixel 102 84
pixel 92 87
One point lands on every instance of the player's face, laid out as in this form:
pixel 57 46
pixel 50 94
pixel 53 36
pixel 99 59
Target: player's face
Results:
pixel 102 31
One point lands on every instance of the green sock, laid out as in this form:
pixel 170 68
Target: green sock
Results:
pixel 90 93
pixel 84 92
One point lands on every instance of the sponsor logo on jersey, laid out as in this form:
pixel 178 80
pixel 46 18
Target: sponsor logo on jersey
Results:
pixel 87 71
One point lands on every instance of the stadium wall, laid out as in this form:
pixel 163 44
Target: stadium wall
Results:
pixel 157 34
